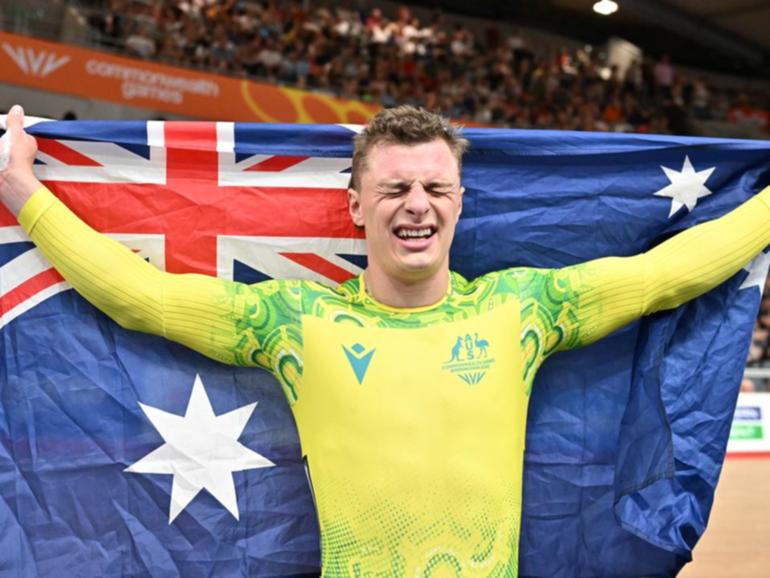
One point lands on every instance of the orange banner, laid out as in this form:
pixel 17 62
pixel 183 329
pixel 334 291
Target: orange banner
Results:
pixel 86 73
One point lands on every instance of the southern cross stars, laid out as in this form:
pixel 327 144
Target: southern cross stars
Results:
pixel 686 187
pixel 201 451
pixel 757 272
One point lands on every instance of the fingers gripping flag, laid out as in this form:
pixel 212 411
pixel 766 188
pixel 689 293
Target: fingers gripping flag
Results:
pixel 99 425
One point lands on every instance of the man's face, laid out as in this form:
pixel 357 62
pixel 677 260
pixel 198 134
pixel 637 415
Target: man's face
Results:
pixel 409 201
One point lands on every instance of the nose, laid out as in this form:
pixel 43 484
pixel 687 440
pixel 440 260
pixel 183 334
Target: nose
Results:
pixel 417 200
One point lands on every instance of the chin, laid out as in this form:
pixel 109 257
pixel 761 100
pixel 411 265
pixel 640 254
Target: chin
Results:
pixel 420 268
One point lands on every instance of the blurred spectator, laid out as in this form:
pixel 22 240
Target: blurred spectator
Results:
pixel 664 77
pixel 701 99
pixel 747 385
pixel 744 112
pixel 140 43
pixel 110 22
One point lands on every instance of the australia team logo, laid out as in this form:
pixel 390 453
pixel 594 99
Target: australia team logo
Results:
pixel 469 358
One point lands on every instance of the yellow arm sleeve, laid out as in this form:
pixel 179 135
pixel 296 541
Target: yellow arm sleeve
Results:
pixel 223 320
pixel 611 292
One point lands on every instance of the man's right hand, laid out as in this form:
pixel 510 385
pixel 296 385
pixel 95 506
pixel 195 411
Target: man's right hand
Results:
pixel 17 181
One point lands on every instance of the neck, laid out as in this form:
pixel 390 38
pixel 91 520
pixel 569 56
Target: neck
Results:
pixel 406 293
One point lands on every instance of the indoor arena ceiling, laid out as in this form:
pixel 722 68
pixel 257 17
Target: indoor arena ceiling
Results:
pixel 728 35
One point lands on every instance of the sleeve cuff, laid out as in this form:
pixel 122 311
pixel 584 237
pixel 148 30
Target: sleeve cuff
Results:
pixel 40 201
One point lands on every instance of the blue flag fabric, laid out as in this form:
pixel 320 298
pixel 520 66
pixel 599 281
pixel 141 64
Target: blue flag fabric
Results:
pixel 625 438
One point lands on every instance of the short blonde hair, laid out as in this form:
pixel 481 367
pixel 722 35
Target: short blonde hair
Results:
pixel 407 125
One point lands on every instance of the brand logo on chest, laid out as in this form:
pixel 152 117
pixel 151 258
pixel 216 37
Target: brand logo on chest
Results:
pixel 469 358
pixel 359 358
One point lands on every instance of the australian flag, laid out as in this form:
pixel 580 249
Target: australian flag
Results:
pixel 625 439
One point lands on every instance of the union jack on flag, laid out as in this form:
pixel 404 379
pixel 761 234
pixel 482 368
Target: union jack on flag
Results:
pixel 194 197
pixel 620 465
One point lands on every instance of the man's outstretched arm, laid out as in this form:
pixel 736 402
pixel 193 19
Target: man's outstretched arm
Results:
pixel 223 320
pixel 603 295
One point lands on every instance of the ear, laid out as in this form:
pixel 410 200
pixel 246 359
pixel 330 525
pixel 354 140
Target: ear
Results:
pixel 354 207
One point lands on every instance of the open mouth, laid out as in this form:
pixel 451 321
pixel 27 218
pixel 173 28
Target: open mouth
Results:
pixel 415 233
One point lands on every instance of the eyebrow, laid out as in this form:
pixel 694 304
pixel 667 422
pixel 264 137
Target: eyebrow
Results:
pixel 399 184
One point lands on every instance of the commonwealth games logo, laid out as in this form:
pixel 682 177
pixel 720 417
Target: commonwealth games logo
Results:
pixel 470 358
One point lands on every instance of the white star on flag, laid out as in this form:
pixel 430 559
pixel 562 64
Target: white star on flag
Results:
pixel 757 269
pixel 686 187
pixel 201 451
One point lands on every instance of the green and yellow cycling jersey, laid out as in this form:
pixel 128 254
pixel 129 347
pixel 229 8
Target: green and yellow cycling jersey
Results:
pixel 412 421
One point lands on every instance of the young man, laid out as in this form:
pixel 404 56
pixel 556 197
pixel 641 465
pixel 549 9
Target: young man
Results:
pixel 409 384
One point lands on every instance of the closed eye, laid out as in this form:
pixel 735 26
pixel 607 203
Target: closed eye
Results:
pixel 396 191
pixel 395 188
pixel 439 188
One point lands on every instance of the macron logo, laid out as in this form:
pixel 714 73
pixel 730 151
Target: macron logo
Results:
pixel 37 63
pixel 359 359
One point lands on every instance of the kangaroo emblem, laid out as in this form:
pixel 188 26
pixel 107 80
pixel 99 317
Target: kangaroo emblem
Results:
pixel 457 349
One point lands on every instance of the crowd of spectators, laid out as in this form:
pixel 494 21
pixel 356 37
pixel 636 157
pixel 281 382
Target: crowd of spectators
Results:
pixel 490 77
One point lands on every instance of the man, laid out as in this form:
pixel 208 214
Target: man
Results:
pixel 409 384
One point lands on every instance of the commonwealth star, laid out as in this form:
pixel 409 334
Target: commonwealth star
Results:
pixel 201 451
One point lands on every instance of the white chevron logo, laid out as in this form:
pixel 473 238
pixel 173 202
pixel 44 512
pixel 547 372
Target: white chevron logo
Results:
pixel 37 63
